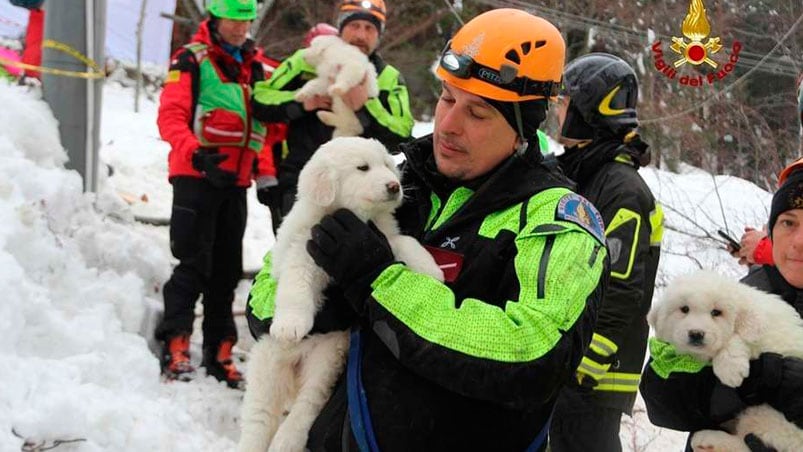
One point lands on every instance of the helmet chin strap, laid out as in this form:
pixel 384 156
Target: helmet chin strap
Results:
pixel 523 144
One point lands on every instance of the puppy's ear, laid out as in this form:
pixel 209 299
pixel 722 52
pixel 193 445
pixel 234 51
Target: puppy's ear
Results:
pixel 318 182
pixel 749 324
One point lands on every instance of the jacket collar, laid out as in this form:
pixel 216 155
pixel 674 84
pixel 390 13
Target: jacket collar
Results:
pixel 512 181
pixel 205 36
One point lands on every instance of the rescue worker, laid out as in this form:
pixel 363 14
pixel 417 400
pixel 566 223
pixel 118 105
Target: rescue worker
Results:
pixel 475 362
pixel 683 394
pixel 216 149
pixel 386 117
pixel 598 121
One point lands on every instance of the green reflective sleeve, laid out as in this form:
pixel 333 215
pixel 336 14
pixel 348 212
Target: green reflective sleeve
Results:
pixel 557 274
pixel 397 117
pixel 273 92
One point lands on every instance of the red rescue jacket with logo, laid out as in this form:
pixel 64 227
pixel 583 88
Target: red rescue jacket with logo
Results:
pixel 202 74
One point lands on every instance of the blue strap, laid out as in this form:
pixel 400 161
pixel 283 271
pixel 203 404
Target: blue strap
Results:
pixel 540 439
pixel 360 417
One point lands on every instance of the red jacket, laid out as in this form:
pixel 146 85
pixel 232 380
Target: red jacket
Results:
pixel 178 103
pixel 763 252
pixel 33 41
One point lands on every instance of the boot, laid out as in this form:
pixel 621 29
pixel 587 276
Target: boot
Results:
pixel 219 364
pixel 176 359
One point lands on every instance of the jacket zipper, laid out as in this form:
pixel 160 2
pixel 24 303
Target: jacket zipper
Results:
pixel 247 103
pixel 542 266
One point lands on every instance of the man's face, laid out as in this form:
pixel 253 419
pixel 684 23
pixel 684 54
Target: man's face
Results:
pixel 561 108
pixel 787 246
pixel 234 32
pixel 470 137
pixel 362 34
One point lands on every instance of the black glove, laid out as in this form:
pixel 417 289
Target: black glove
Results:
pixel 725 403
pixel 351 252
pixel 269 196
pixel 777 381
pixel 755 444
pixel 206 161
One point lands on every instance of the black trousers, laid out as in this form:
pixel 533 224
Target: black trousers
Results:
pixel 206 236
pixel 579 425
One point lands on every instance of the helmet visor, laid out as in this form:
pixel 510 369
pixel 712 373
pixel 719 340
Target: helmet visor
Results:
pixel 465 67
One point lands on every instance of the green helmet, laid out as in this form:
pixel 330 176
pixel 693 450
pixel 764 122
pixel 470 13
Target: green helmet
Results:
pixel 233 9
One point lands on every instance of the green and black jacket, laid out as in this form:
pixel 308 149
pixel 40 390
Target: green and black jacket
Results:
pixel 386 117
pixel 679 391
pixel 607 175
pixel 477 363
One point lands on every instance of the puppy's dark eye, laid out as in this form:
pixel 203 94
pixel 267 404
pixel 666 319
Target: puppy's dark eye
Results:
pixel 363 167
pixel 716 313
pixel 684 309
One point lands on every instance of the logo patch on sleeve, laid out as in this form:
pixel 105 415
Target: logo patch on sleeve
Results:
pixel 578 210
pixel 173 76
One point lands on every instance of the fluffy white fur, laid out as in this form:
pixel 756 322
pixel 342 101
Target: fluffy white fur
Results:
pixel 721 321
pixel 339 66
pixel 289 371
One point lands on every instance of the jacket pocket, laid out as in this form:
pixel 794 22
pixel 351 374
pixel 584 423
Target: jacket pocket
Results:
pixel 220 127
pixel 183 232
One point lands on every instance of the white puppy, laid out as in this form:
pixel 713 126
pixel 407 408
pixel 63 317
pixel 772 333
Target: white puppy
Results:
pixel 340 67
pixel 286 370
pixel 721 321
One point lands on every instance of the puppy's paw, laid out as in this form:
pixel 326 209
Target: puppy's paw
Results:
pixel 426 264
pixel 345 125
pixel 288 440
pixel 327 117
pixel 291 326
pixel 717 441
pixel 731 372
pixel 407 249
pixel 301 97
pixel 337 89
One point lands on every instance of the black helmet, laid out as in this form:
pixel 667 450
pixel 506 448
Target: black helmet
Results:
pixel 603 89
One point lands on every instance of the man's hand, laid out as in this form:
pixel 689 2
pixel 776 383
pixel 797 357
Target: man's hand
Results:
pixel 749 241
pixel 351 252
pixel 207 161
pixel 267 191
pixel 318 103
pixel 357 96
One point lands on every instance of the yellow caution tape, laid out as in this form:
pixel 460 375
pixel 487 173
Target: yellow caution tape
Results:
pixel 94 73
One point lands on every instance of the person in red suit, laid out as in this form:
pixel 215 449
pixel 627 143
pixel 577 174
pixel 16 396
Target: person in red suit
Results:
pixel 217 149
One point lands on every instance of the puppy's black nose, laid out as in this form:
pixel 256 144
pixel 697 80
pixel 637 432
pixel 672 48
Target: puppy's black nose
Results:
pixel 696 337
pixel 393 187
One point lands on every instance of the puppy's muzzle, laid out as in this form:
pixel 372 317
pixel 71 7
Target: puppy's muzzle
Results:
pixel 696 338
pixel 392 189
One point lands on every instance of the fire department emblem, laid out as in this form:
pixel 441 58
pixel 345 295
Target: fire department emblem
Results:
pixel 696 28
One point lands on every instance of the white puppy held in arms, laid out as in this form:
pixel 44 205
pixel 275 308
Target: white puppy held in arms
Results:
pixel 340 67
pixel 726 323
pixel 288 370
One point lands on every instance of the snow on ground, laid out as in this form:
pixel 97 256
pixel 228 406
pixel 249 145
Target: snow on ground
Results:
pixel 81 278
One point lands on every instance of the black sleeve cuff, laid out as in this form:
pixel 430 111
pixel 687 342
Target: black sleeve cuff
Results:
pixel 294 110
pixel 365 118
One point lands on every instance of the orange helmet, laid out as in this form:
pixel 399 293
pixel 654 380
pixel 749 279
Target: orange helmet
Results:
pixel 506 55
pixel 371 10
pixel 791 168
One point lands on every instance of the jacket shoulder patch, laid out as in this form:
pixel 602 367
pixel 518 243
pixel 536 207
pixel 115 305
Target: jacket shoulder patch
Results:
pixel 578 210
pixel 173 76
